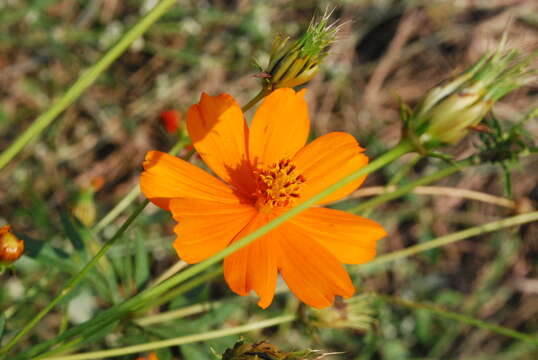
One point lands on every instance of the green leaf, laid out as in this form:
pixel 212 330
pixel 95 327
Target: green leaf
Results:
pixel 2 325
pixel 142 270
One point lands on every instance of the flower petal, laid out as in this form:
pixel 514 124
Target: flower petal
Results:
pixel 167 177
pixel 219 133
pixel 312 273
pixel 253 267
pixel 328 159
pixel 206 227
pixel 279 128
pixel 350 238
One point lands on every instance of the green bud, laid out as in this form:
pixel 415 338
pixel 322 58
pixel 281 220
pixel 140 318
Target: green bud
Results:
pixel 447 111
pixel 353 313
pixel 295 63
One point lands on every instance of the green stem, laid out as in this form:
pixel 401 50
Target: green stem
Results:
pixel 452 238
pixel 461 318
pixel 404 170
pixel 83 82
pixel 75 280
pixel 263 93
pixel 178 340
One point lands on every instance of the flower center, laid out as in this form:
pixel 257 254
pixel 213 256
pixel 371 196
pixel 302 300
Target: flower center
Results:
pixel 277 186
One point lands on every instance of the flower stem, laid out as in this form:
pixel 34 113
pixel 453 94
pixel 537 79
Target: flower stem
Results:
pixel 452 238
pixel 179 340
pixel 460 317
pixel 263 93
pixel 83 82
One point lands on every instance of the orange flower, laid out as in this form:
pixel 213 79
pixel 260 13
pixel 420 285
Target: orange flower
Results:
pixel 265 170
pixel 152 356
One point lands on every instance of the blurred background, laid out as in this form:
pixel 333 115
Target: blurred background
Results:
pixel 387 51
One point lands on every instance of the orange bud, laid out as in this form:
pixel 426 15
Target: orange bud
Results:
pixel 97 183
pixel 11 248
pixel 170 119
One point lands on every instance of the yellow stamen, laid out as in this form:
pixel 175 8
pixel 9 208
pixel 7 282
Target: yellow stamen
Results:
pixel 278 186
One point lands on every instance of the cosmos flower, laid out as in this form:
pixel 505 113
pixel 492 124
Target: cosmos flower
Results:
pixel 265 170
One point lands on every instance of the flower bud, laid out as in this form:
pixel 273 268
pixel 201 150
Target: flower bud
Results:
pixel 295 63
pixel 267 351
pixel 170 120
pixel 353 313
pixel 11 248
pixel 447 111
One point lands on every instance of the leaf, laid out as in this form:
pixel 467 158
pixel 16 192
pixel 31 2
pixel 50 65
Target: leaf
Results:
pixel 72 233
pixel 2 325
pixel 142 270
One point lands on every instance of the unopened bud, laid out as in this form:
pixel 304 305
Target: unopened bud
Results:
pixel 170 120
pixel 11 248
pixel 267 351
pixel 151 356
pixel 447 111
pixel 353 313
pixel 295 63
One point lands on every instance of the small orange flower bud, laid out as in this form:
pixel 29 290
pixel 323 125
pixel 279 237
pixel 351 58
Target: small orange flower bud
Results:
pixel 170 120
pixel 11 248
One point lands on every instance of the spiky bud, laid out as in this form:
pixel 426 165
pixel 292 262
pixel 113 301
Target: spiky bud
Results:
pixel 295 63
pixel 11 247
pixel 447 111
pixel 266 351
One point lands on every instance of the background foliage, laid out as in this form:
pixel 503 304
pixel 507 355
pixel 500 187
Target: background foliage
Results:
pixel 387 49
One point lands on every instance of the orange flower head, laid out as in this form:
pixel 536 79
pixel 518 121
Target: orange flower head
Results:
pixel 151 356
pixel 265 170
pixel 11 248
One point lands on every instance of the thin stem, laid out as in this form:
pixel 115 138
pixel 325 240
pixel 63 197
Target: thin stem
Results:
pixel 263 93
pixel 452 238
pixel 179 313
pixel 83 82
pixel 404 170
pixel 75 280
pixel 442 191
pixel 179 340
pixel 461 318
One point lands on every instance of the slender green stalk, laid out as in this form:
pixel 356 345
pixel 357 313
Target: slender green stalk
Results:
pixel 75 280
pixel 263 93
pixel 452 238
pixel 404 170
pixel 83 82
pixel 461 318
pixel 179 340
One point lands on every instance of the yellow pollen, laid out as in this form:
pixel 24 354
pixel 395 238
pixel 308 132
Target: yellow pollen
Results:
pixel 278 186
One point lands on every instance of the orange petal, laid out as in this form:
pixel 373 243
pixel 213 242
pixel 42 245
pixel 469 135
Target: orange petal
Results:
pixel 253 267
pixel 167 177
pixel 279 128
pixel 206 227
pixel 350 238
pixel 328 159
pixel 219 134
pixel 312 273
